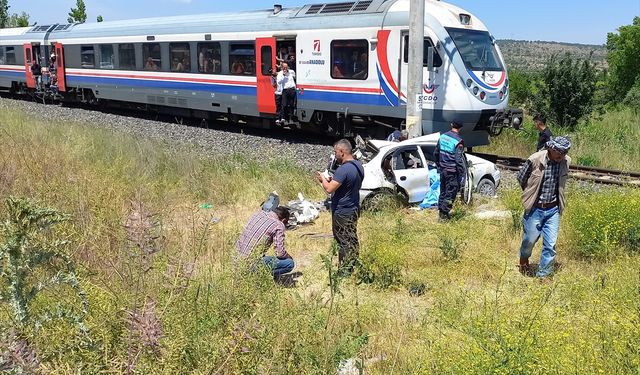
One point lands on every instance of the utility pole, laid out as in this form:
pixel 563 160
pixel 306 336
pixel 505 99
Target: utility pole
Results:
pixel 414 79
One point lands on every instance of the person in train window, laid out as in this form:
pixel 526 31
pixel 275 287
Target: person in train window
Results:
pixel 237 67
pixel 287 78
pixel 150 64
pixel 338 69
pixel 360 67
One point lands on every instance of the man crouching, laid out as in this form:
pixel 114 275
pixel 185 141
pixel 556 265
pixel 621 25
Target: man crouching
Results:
pixel 263 229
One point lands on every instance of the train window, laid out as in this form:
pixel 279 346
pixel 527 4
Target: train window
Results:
pixel 266 55
pixel 106 56
pixel 209 58
pixel 151 56
pixel 242 58
pixel 127 55
pixel 350 59
pixel 437 60
pixel 28 55
pixel 10 55
pixel 180 55
pixel 2 56
pixel 87 57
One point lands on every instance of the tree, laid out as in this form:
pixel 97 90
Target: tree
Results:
pixel 522 87
pixel 624 59
pixel 4 13
pixel 99 19
pixel 19 20
pixel 79 13
pixel 567 93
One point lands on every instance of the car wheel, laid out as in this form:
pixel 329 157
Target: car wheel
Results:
pixel 486 188
pixel 383 199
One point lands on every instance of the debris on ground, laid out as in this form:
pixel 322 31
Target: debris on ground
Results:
pixel 303 210
pixel 492 214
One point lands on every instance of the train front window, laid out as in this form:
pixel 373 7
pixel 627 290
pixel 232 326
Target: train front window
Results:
pixel 477 49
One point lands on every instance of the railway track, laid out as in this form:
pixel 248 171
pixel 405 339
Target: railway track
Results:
pixel 598 175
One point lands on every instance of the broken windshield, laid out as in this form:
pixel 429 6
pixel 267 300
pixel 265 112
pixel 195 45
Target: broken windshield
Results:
pixel 477 49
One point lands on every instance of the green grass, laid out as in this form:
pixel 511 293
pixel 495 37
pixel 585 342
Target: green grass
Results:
pixel 475 312
pixel 608 141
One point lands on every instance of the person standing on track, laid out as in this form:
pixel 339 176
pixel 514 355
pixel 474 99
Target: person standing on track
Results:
pixel 544 133
pixel 344 188
pixel 542 178
pixel 449 155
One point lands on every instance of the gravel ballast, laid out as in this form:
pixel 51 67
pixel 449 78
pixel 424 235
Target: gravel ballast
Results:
pixel 259 145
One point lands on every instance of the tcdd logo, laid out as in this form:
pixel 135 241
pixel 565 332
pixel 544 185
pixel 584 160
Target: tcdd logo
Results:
pixel 316 45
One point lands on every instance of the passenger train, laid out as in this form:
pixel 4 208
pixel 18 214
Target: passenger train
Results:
pixel 350 59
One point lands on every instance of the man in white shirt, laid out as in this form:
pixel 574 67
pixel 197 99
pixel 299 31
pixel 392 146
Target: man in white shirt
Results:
pixel 286 79
pixel 277 90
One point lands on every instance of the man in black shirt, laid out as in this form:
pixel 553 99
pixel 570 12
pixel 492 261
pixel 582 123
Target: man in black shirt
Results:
pixel 544 134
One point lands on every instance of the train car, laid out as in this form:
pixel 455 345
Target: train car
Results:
pixel 350 59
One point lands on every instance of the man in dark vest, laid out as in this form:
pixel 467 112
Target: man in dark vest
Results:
pixel 449 154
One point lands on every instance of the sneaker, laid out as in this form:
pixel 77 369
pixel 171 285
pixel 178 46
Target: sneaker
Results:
pixel 283 121
pixel 278 122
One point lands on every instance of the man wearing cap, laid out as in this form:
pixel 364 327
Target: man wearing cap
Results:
pixel 542 178
pixel 449 155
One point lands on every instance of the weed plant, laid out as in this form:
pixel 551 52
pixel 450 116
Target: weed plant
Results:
pixel 164 296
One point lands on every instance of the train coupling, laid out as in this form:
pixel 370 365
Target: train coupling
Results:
pixel 506 118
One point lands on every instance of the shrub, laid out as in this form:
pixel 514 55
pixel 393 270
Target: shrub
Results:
pixel 632 99
pixel 452 244
pixel 382 260
pixel 604 224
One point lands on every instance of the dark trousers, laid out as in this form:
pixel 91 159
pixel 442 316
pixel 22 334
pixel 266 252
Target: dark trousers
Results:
pixel 449 188
pixel 278 105
pixel 288 103
pixel 345 232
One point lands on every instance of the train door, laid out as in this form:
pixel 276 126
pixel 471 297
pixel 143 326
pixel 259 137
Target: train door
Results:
pixel 265 55
pixel 404 63
pixel 60 71
pixel 28 60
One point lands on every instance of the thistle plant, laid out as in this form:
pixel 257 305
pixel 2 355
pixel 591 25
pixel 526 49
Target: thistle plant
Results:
pixel 32 262
pixel 28 253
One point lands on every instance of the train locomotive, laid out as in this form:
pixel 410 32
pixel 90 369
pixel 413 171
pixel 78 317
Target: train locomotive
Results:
pixel 350 59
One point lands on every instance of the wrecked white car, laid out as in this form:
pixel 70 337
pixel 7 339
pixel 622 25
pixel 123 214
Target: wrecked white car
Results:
pixel 403 168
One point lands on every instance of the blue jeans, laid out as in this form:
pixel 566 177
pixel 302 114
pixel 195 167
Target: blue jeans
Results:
pixel 278 266
pixel 545 221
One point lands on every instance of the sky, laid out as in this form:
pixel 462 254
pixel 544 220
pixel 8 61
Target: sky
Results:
pixel 572 21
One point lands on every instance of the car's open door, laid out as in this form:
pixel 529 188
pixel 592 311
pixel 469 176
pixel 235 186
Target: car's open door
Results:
pixel 467 190
pixel 411 173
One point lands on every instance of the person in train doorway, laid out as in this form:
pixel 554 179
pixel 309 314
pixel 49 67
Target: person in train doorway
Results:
pixel 543 178
pixel 344 188
pixel 277 91
pixel 449 155
pixel 287 79
pixel 36 71
pixel 544 133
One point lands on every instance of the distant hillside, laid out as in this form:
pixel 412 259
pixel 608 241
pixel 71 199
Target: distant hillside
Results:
pixel 531 56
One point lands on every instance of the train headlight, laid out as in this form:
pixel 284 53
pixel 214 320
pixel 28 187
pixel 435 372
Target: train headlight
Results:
pixel 500 95
pixel 469 82
pixel 475 90
pixel 483 95
pixel 506 83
